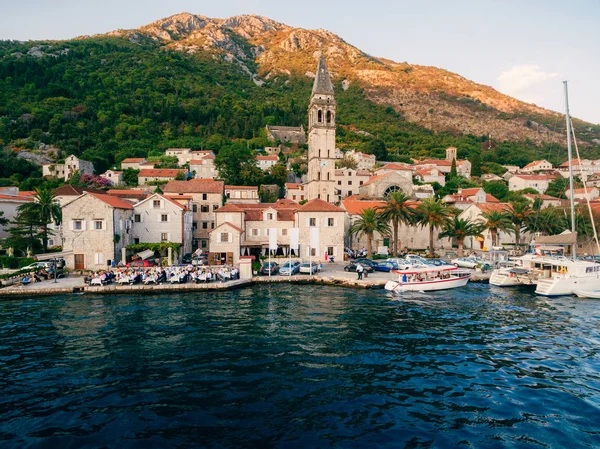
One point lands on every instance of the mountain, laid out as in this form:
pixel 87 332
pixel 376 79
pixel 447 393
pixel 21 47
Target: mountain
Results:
pixel 194 81
pixel 431 97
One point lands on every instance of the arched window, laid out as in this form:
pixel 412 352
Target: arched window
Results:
pixel 320 116
pixel 391 189
pixel 328 115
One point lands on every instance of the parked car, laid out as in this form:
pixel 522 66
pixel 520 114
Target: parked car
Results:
pixel 202 259
pixel 140 264
pixel 416 259
pixel 403 264
pixel 187 258
pixel 465 262
pixel 386 266
pixel 308 268
pixel 289 269
pixel 38 266
pixel 366 262
pixel 352 267
pixel 271 268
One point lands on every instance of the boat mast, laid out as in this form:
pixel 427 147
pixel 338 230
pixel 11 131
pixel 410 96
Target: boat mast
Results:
pixel 570 153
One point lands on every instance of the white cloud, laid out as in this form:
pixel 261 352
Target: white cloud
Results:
pixel 522 79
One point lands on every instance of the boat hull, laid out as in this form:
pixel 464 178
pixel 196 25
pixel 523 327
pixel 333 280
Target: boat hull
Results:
pixel 500 278
pixel 564 285
pixel 591 294
pixel 427 286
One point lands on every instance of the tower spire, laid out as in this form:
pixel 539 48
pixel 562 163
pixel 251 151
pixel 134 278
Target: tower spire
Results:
pixel 322 83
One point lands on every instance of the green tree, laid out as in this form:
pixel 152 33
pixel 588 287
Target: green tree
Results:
pixel 433 213
pixel 498 189
pixel 460 229
pixel 476 164
pixel 130 176
pixel 497 221
pixel 453 173
pixel 45 209
pixel 3 221
pixel 369 222
pixel 378 148
pixel 548 221
pixel 557 188
pixel 519 213
pixel 24 232
pixel 397 210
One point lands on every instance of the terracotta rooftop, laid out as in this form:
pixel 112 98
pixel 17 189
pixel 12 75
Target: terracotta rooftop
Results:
pixel 112 201
pixel 16 197
pixel 375 178
pixel 318 205
pixel 69 190
pixel 354 204
pixel 489 207
pixel 292 185
pixel 267 158
pixel 129 193
pixel 541 196
pixel 584 190
pixel 534 163
pixel 133 160
pixel 199 185
pixel 394 166
pixel 471 191
pixel 159 173
pixel 489 198
pixel 229 207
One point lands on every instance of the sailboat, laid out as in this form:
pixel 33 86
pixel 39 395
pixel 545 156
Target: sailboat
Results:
pixel 566 276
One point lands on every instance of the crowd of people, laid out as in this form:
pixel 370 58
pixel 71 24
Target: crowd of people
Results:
pixel 160 275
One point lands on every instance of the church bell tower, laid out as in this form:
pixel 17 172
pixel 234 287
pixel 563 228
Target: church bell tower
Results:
pixel 321 137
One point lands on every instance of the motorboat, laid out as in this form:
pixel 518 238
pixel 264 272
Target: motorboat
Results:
pixel 563 276
pixel 430 278
pixel 591 294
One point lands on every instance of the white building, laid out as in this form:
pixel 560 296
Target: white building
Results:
pixel 349 181
pixel 266 162
pixel 115 177
pixel 146 176
pixel 537 182
pixel 583 193
pixel 295 191
pixel 10 200
pixel 71 165
pixel 133 163
pixel 330 222
pixel 537 166
pixel 160 218
pixel 430 175
pixel 242 194
pixel 363 161
pixel 204 167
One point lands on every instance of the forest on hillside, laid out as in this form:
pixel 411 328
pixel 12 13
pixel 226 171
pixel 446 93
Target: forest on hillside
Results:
pixel 105 99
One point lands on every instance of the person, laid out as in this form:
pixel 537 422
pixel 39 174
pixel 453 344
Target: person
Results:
pixel 359 271
pixel 404 278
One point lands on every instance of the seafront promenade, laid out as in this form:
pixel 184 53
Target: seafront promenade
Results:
pixel 332 274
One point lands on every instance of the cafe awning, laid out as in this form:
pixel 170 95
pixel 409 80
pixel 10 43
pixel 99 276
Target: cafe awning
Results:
pixel 145 254
pixel 50 256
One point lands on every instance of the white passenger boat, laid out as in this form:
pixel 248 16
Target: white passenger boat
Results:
pixel 426 279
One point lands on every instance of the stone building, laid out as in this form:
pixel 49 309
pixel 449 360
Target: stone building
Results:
pixel 266 162
pixel 295 191
pixel 160 218
pixel 321 137
pixel 329 220
pixel 147 176
pixel 287 134
pixel 115 177
pixel 242 194
pixel 206 197
pixel 537 166
pixel 380 186
pixel 349 181
pixel 96 228
pixel 363 161
pixel 536 182
pixel 204 167
pixel 65 171
pixel 133 163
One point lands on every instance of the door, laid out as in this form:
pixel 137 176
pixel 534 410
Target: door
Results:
pixel 79 261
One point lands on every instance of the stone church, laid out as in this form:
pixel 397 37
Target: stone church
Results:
pixel 323 179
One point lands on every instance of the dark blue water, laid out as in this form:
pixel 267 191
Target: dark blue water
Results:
pixel 300 367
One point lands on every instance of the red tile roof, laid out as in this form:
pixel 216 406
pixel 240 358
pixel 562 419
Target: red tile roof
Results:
pixel 133 160
pixel 489 207
pixel 112 201
pixel 199 185
pixel 292 185
pixel 584 190
pixel 375 178
pixel 471 191
pixel 197 162
pixel 69 190
pixel 533 196
pixel 159 173
pixel 229 207
pixel 241 188
pixel 354 205
pixel 128 193
pixel 16 198
pixel 318 205
pixel 394 166
pixel 489 198
pixel 267 158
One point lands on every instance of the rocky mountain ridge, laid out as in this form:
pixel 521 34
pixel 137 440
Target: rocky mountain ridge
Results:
pixel 429 96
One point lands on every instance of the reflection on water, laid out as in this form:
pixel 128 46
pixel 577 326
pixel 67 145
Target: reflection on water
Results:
pixel 288 366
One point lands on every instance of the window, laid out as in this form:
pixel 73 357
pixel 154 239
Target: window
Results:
pixel 301 197
pixel 361 183
pixel 349 183
pixel 77 225
pixel 205 225
pixel 312 222
pixel 269 216
pixel 330 222
pixel 204 196
pixel 320 116
pixel 205 208
pixel 215 206
pixel 224 237
pixel 164 237
pixel 50 242
pixel 330 250
pixel 98 225
pixel 203 243
pixel 313 252
pixel 294 197
pixel 136 240
pixel 284 232
pixel 339 183
pixel 194 226
pixel 212 225
pixel 255 232
pixel 164 218
pixel 194 208
pixel 137 218
pixel 349 192
pixel 156 204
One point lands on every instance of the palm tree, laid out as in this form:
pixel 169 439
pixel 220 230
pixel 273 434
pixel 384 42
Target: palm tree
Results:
pixel 460 229
pixel 548 221
pixel 368 223
pixel 518 215
pixel 45 209
pixel 496 221
pixel 433 213
pixel 398 211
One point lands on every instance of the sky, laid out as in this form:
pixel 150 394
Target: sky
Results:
pixel 523 48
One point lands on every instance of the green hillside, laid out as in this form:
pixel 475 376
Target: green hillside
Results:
pixel 105 99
